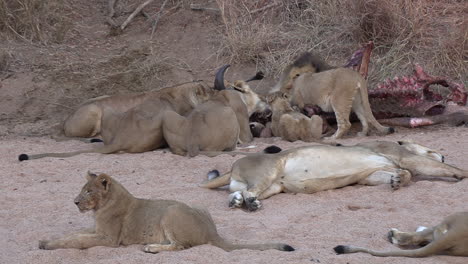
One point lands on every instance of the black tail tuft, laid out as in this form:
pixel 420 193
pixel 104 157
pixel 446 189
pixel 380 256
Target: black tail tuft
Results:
pixel 391 130
pixel 338 145
pixel 287 248
pixel 272 149
pixel 23 157
pixel 95 140
pixel 213 174
pixel 340 249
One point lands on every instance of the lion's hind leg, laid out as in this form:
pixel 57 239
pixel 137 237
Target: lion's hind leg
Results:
pixel 166 246
pixel 437 246
pixel 85 122
pixel 342 108
pixel 421 237
pixel 395 177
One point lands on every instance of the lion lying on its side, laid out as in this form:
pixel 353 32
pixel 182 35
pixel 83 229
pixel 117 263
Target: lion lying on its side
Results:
pixel 448 238
pixel 122 219
pixel 323 167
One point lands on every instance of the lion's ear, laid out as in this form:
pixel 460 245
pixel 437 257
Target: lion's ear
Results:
pixel 104 180
pixel 402 142
pixel 240 86
pixel 90 176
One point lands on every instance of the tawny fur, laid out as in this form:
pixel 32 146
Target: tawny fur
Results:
pixel 161 225
pixel 291 125
pixel 212 126
pixel 340 91
pixel 312 82
pixel 140 128
pixel 450 237
pixel 316 168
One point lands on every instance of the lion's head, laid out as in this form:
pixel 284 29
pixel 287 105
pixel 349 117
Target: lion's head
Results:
pixel 94 193
pixel 422 151
pixel 306 62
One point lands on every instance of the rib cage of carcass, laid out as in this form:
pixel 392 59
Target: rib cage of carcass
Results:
pixel 414 95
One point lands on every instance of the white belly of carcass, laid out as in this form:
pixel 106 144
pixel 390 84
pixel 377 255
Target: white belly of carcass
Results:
pixel 317 169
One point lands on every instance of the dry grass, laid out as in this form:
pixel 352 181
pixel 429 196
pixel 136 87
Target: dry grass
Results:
pixel 34 20
pixel 430 32
pixel 5 60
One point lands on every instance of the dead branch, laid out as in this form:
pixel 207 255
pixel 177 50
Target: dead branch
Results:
pixel 198 7
pixel 156 20
pixel 134 14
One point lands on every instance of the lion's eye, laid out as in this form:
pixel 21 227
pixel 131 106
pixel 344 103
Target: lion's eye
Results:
pixel 88 192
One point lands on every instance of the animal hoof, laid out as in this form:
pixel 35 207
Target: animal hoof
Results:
pixel 252 204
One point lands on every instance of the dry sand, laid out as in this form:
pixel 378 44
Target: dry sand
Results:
pixel 37 203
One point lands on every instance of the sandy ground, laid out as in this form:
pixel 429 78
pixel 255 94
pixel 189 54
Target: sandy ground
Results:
pixel 37 203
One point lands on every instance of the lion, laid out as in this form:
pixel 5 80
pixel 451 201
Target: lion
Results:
pixel 216 125
pixel 310 169
pixel 289 124
pixel 306 62
pixel 450 237
pixel 161 225
pixel 140 128
pixel 337 90
pixel 87 121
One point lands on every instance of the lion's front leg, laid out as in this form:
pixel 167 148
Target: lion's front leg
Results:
pixel 78 240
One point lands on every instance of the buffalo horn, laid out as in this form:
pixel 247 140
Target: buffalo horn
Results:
pixel 219 78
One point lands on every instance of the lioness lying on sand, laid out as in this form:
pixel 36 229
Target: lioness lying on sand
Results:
pixel 323 167
pixel 122 219
pixel 447 238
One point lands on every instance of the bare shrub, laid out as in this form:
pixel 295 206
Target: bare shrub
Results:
pixel 430 32
pixel 34 20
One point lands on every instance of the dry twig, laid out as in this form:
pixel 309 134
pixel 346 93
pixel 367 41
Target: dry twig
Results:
pixel 156 20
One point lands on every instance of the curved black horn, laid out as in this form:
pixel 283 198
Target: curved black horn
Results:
pixel 258 76
pixel 219 78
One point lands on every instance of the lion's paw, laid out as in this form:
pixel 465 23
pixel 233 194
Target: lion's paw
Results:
pixel 252 204
pixel 150 249
pixel 395 182
pixel 43 244
pixel 236 199
pixel 392 236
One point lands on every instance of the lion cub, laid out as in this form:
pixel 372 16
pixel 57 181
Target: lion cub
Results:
pixel 122 219
pixel 289 124
pixel 449 238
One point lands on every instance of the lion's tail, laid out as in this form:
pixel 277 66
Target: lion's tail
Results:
pixel 217 181
pixel 104 150
pixel 228 246
pixel 362 87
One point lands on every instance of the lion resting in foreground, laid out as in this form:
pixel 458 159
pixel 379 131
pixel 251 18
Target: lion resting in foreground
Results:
pixel 447 238
pixel 323 167
pixel 291 125
pixel 122 219
pixel 337 90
